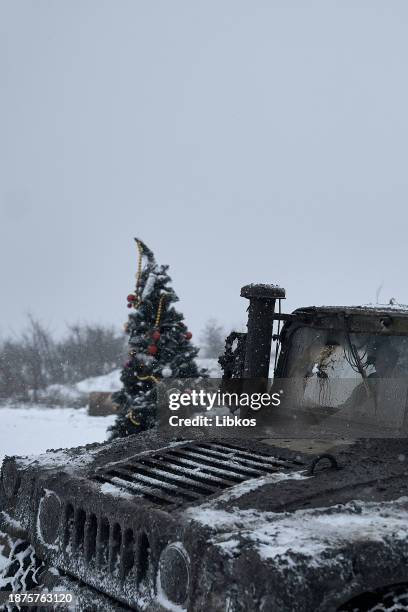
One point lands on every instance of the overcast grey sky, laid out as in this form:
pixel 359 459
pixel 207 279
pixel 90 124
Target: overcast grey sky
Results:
pixel 241 140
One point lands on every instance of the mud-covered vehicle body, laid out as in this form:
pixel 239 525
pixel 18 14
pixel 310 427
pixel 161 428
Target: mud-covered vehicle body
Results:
pixel 300 522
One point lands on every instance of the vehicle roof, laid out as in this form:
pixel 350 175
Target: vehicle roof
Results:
pixel 372 310
pixel 388 319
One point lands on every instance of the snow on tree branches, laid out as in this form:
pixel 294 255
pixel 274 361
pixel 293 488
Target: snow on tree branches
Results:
pixel 159 346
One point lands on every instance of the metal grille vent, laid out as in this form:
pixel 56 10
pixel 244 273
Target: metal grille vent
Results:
pixel 187 473
pixel 98 542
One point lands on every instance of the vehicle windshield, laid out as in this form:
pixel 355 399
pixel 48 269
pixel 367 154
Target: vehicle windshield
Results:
pixel 354 376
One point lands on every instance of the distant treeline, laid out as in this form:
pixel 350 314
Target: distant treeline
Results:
pixel 35 359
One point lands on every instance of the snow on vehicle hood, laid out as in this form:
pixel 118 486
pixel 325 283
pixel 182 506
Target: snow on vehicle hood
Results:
pixel 308 534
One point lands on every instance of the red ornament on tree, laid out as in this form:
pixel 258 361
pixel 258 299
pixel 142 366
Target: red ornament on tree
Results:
pixel 188 335
pixel 131 298
pixel 152 349
pixel 129 305
pixel 156 335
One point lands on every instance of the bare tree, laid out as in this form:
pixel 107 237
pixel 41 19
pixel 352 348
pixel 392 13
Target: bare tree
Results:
pixel 34 360
pixel 212 339
pixel 13 382
pixel 90 350
pixel 40 356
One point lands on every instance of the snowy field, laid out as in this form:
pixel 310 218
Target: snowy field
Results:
pixel 28 429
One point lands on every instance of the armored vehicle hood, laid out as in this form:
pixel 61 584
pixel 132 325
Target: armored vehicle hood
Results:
pixel 204 524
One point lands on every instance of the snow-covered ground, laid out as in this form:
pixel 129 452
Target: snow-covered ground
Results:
pixel 111 382
pixel 33 428
pixel 29 429
pixel 108 382
pixel 76 395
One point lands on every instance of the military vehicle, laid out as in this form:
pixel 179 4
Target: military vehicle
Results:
pixel 314 519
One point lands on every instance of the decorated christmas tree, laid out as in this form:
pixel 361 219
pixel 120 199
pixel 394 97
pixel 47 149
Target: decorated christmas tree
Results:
pixel 159 346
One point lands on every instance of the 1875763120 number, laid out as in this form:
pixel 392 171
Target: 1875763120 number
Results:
pixel 32 598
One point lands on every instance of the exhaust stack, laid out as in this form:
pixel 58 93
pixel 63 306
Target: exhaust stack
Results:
pixel 261 309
